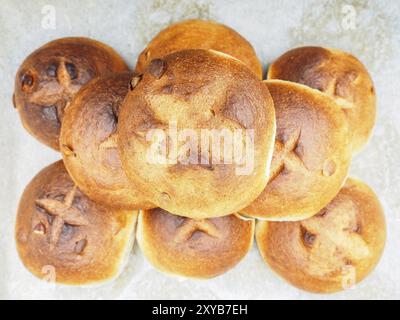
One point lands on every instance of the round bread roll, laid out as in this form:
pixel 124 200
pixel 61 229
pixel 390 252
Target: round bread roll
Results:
pixel 311 157
pixel 63 236
pixel 196 133
pixel 202 248
pixel 339 75
pixel 49 77
pixel 331 251
pixel 88 142
pixel 200 34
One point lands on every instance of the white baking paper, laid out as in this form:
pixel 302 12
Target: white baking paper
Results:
pixel 368 29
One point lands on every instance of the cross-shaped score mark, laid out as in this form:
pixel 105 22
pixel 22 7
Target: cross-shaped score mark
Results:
pixel 338 86
pixel 63 213
pixel 185 145
pixel 288 153
pixel 213 116
pixel 338 228
pixel 64 72
pixel 335 89
pixel 190 226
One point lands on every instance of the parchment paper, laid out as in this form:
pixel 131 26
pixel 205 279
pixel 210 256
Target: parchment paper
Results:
pixel 369 29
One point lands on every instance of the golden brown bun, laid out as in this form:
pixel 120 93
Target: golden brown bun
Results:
pixel 59 228
pixel 88 142
pixel 311 157
pixel 197 89
pixel 49 77
pixel 193 248
pixel 338 74
pixel 332 250
pixel 200 34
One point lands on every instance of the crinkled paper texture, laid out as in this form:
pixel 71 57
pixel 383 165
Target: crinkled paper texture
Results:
pixel 272 27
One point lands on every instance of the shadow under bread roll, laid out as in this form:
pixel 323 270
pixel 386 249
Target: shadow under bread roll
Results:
pixel 49 77
pixel 60 233
pixel 203 248
pixel 311 157
pixel 88 142
pixel 331 251
pixel 200 34
pixel 339 75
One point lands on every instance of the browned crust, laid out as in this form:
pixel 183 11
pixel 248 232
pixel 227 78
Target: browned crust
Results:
pixel 92 243
pixel 338 74
pixel 311 157
pixel 332 250
pixel 193 248
pixel 50 76
pixel 199 34
pixel 88 142
pixel 198 89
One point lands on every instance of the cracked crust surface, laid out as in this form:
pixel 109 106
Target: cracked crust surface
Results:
pixel 197 89
pixel 88 142
pixel 202 248
pixel 337 74
pixel 331 251
pixel 49 78
pixel 199 34
pixel 58 228
pixel 311 156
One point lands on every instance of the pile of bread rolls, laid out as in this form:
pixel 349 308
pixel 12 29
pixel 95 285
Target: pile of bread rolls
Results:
pixel 315 227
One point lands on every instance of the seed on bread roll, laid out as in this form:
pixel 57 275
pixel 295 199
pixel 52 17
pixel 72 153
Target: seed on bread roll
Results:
pixel 88 142
pixel 339 75
pixel 311 157
pixel 196 133
pixel 331 251
pixel 200 34
pixel 49 78
pixel 65 237
pixel 202 248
